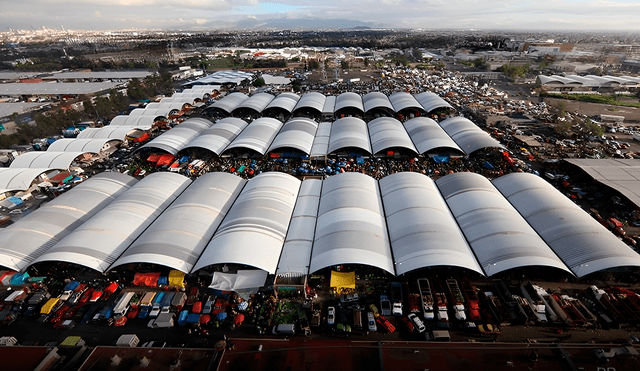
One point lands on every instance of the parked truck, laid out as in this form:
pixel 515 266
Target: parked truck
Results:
pixel 396 298
pixel 426 298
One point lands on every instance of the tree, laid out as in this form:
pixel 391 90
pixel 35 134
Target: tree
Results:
pixel 417 54
pixel 259 82
pixel 593 128
pixel 314 64
pixel 366 62
pixel 344 65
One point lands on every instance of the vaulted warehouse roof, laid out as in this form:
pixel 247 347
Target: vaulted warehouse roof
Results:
pixel 376 100
pixel 351 227
pixel 422 230
pixel 49 160
pixel 285 101
pixel 18 179
pixel 311 100
pixel 99 241
pixel 348 100
pixel 387 132
pixel 258 135
pixel 256 102
pixel 296 133
pixel 349 132
pixel 254 230
pixel 296 252
pixel 402 100
pixel 431 101
pixel 578 239
pixel 179 235
pixel 468 135
pixel 218 137
pixel 116 132
pixel 499 236
pixel 428 135
pixel 80 145
pixel 176 139
pixel 137 122
pixel 24 241
pixel 230 102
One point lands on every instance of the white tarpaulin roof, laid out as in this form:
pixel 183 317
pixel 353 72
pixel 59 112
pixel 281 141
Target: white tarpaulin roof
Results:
pixel 468 135
pixel 49 160
pixel 386 133
pixel 422 230
pixel 499 236
pixel 428 135
pixel 80 145
pixel 296 133
pixel 258 135
pixel 431 101
pixel 18 179
pixel 578 239
pixel 349 132
pixel 321 141
pixel 254 230
pixel 243 279
pixel 218 137
pixel 176 139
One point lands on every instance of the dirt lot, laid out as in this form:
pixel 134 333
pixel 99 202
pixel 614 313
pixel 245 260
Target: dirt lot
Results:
pixel 631 114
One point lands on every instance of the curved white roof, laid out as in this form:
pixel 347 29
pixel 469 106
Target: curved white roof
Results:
pixel 230 102
pixel 422 230
pixel 403 100
pixel 137 122
pixel 106 132
pixel 430 101
pixel 256 102
pixel 376 100
pixel 311 100
pixel 321 141
pixel 176 139
pixel 50 160
pixel 349 132
pixel 557 79
pixel 348 100
pixel 18 179
pixel 258 135
pixel 99 241
pixel 79 145
pixel 296 252
pixel 578 239
pixel 219 135
pixel 499 236
pixel 296 133
pixel 24 241
pixel 468 135
pixel 179 235
pixel 254 230
pixel 351 227
pixel 387 132
pixel 428 135
pixel 285 101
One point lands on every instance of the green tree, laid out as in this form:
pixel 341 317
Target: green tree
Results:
pixel 344 65
pixel 366 62
pixel 593 128
pixel 259 82
pixel 314 64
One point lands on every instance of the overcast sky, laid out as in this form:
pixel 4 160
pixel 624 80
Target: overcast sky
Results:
pixel 623 15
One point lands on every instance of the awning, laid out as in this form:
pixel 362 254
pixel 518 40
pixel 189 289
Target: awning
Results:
pixel 244 279
pixel 342 280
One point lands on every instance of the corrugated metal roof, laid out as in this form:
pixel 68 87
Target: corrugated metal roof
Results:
pixel 258 135
pixel 423 231
pixel 49 160
pixel 297 133
pixel 177 238
pixel 387 132
pixel 254 230
pixel 99 241
pixel 321 141
pixel 56 88
pixel 176 139
pixel 218 137
pixel 257 102
pixel 349 100
pixel 351 227
pixel 499 236
pixel 296 253
pixel 311 100
pixel 578 239
pixel 431 101
pixel 376 100
pixel 80 145
pixel 21 243
pixel 468 135
pixel 18 179
pixel 230 102
pixel 428 135
pixel 402 100
pixel 349 132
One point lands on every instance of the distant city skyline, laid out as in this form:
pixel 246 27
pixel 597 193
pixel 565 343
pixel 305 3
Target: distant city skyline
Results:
pixel 578 15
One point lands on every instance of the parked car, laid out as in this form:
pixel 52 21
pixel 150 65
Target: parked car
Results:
pixel 372 322
pixel 417 322
pixel 331 316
